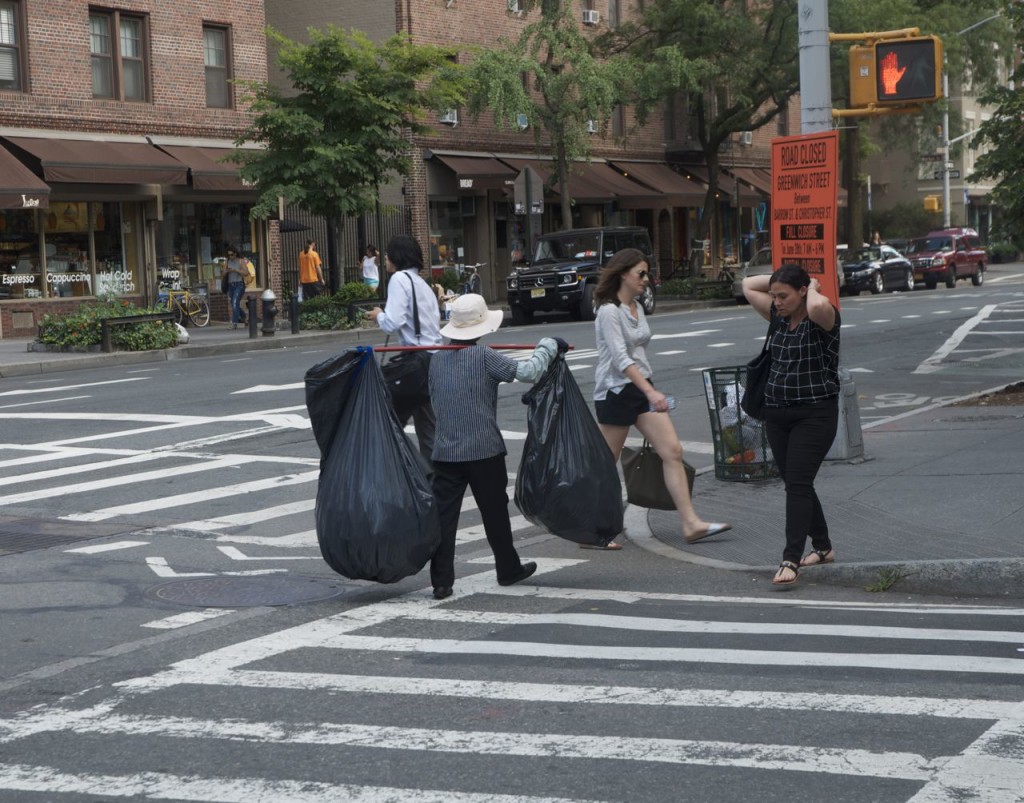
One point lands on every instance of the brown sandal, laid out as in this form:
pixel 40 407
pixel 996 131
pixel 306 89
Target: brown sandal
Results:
pixel 786 564
pixel 823 555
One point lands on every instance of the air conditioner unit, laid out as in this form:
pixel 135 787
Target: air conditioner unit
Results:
pixel 591 17
pixel 746 137
pixel 515 6
pixel 449 117
pixel 591 126
pixel 522 121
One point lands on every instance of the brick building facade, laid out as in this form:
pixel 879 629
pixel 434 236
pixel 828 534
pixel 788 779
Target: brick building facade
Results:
pixel 458 198
pixel 113 122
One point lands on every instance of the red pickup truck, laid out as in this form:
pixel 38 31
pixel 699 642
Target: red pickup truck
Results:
pixel 948 255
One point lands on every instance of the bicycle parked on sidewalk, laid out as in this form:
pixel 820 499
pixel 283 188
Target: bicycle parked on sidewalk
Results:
pixel 186 305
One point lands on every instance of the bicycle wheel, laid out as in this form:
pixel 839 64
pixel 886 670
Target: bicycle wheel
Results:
pixel 198 310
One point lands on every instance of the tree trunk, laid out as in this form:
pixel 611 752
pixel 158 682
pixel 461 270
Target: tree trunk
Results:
pixel 851 176
pixel 333 263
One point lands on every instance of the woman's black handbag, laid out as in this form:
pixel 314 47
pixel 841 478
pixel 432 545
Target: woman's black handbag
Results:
pixel 645 478
pixel 757 379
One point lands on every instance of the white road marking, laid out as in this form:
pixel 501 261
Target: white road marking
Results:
pixel 65 471
pixel 300 540
pixel 933 363
pixel 910 316
pixel 164 786
pixel 246 518
pixel 60 388
pixel 882 320
pixel 161 568
pixel 236 554
pixel 37 402
pixel 270 388
pixel 113 482
pixel 111 547
pixel 582 367
pixel 942 311
pixel 185 499
pixel 860 370
pixel 697 333
pixel 188 618
pixel 670 353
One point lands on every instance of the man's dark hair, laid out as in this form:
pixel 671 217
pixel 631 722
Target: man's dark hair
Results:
pixel 404 252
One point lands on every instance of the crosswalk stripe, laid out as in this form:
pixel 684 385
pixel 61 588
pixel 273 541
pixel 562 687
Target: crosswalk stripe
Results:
pixel 753 755
pixel 164 786
pixel 113 482
pixel 204 495
pixel 618 695
pixel 65 471
pixel 890 661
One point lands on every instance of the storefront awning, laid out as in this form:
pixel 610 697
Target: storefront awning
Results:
pixel 79 161
pixel 20 188
pixel 588 181
pixel 727 186
pixel 478 172
pixel 757 177
pixel 208 168
pixel 661 178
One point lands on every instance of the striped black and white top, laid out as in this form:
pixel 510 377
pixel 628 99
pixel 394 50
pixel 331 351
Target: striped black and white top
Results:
pixel 464 394
pixel 805 363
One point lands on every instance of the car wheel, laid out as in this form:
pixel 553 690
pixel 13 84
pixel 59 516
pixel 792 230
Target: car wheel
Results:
pixel 978 279
pixel 647 300
pixel 521 316
pixel 877 285
pixel 908 281
pixel 951 277
pixel 587 312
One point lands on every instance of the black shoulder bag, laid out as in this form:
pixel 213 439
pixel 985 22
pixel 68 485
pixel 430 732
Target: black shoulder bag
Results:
pixel 756 381
pixel 406 375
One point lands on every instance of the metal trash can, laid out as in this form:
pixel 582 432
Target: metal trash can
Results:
pixel 742 453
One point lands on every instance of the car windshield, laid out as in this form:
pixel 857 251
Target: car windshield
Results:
pixel 929 244
pixel 858 255
pixel 569 246
pixel 762 257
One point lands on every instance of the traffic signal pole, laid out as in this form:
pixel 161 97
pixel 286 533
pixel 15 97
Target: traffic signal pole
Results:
pixel 815 74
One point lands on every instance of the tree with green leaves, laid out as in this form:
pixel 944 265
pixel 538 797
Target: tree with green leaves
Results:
pixel 1004 133
pixel 562 81
pixel 344 128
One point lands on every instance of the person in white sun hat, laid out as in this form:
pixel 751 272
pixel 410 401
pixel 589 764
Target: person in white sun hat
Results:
pixel 468 447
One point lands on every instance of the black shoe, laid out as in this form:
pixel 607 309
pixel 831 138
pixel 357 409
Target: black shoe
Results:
pixel 442 592
pixel 525 570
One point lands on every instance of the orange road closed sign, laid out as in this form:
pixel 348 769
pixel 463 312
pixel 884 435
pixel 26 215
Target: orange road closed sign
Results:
pixel 805 177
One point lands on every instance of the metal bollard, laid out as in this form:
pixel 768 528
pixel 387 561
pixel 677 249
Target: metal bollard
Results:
pixel 250 305
pixel 269 311
pixel 293 313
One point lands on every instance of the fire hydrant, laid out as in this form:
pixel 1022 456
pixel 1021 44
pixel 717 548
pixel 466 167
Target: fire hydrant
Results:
pixel 269 311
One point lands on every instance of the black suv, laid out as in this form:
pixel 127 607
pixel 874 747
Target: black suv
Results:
pixel 564 271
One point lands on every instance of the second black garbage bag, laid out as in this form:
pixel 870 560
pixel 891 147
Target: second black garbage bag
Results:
pixel 376 518
pixel 567 479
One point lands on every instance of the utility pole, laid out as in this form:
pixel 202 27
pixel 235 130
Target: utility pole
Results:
pixel 815 75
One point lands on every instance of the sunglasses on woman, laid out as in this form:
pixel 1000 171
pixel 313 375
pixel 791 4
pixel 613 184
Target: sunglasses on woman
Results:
pixel 642 274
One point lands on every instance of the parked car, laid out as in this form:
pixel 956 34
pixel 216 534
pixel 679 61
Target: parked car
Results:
pixel 876 268
pixel 759 265
pixel 564 269
pixel 948 255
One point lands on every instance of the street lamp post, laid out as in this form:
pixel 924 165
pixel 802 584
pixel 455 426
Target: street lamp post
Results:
pixel 946 142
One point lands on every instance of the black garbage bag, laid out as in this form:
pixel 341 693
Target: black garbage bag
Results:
pixel 376 518
pixel 567 479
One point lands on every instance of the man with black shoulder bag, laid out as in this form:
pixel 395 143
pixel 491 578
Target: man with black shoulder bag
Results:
pixel 412 315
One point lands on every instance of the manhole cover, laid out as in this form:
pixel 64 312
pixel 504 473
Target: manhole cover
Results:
pixel 246 592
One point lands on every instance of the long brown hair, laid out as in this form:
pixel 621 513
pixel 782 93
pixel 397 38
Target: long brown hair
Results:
pixel 610 280
pixel 309 244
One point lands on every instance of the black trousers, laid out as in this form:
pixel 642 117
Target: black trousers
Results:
pixel 488 480
pixel 800 438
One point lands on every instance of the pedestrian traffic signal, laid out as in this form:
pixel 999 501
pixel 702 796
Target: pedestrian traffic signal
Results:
pixel 908 70
pixel 896 72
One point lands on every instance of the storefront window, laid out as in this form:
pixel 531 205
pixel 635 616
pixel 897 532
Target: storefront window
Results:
pixel 192 238
pixel 69 227
pixel 446 241
pixel 20 271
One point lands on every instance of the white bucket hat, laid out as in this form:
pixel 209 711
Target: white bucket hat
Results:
pixel 471 319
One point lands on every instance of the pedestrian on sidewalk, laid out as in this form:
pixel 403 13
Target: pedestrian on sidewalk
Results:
pixel 371 268
pixel 801 411
pixel 403 259
pixel 311 273
pixel 468 447
pixel 624 394
pixel 233 275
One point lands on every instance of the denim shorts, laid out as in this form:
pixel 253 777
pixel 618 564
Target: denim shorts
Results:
pixel 622 408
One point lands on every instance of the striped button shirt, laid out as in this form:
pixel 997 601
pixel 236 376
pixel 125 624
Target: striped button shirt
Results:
pixel 805 363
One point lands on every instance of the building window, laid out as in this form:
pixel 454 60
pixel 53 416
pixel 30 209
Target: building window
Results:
pixel 613 13
pixel 618 121
pixel 216 58
pixel 782 122
pixel 11 39
pixel 117 45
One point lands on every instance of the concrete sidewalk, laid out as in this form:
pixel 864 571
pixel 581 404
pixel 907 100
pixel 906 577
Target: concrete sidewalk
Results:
pixel 936 501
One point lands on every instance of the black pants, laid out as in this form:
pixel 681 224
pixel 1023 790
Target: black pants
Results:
pixel 311 290
pixel 423 420
pixel 488 480
pixel 800 438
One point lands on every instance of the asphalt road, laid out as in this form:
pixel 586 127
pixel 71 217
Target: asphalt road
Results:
pixel 151 652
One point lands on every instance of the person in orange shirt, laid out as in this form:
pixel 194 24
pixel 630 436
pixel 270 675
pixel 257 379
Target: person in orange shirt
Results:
pixel 311 275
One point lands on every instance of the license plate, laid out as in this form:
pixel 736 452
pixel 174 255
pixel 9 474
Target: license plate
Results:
pixel 918 277
pixel 537 292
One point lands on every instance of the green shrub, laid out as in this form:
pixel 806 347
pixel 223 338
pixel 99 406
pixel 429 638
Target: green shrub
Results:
pixel 1002 252
pixel 676 287
pixel 450 280
pixel 331 311
pixel 81 328
pixel 354 291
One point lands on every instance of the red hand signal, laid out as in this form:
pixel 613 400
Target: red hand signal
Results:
pixel 891 73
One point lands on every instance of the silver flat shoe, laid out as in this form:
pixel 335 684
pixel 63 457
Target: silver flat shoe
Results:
pixel 712 529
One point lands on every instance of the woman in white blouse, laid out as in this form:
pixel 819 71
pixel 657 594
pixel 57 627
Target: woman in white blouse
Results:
pixel 624 394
